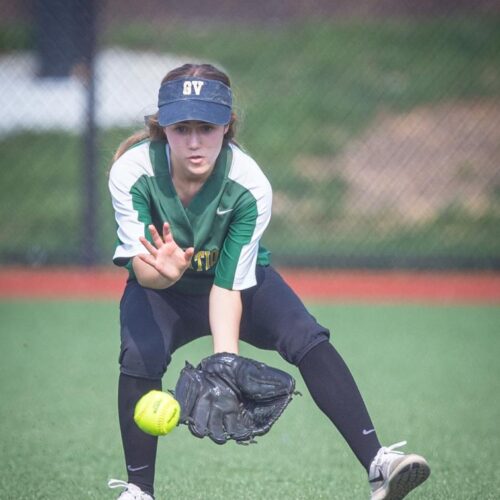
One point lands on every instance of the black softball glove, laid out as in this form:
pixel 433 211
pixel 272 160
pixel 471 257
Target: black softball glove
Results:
pixel 231 397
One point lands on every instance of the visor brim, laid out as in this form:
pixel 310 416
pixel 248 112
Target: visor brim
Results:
pixel 194 110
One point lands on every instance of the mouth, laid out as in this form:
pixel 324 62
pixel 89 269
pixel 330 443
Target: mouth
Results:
pixel 195 159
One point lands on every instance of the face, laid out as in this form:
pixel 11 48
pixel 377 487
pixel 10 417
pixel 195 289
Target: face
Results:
pixel 194 148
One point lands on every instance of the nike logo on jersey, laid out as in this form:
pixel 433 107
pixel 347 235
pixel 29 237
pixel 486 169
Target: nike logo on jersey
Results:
pixel 365 432
pixel 135 469
pixel 222 212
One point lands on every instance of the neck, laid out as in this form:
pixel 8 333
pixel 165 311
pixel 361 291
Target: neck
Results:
pixel 186 191
pixel 187 186
pixel 187 181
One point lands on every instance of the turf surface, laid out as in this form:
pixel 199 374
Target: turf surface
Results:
pixel 429 375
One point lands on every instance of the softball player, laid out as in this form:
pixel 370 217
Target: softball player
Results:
pixel 191 207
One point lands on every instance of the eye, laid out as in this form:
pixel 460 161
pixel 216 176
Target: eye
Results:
pixel 181 129
pixel 207 128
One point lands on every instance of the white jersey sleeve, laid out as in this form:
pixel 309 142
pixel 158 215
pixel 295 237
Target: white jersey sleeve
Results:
pixel 128 185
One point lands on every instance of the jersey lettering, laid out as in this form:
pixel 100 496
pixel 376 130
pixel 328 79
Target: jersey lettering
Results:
pixel 204 260
pixel 195 85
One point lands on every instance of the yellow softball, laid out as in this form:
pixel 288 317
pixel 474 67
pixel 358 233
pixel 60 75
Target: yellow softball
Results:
pixel 157 413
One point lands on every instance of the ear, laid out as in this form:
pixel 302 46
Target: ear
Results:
pixel 226 128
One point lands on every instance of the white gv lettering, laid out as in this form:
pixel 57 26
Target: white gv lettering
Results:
pixel 195 85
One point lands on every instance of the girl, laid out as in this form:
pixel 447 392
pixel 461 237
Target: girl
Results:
pixel 191 208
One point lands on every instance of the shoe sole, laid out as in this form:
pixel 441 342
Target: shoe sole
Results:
pixel 407 476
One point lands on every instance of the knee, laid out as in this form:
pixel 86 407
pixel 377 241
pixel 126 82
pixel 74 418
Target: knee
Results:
pixel 144 360
pixel 298 335
pixel 294 352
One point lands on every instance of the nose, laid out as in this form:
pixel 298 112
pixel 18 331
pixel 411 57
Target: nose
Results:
pixel 193 139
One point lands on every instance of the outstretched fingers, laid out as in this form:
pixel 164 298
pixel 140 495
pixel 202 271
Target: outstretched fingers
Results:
pixel 155 236
pixel 147 258
pixel 148 246
pixel 163 250
pixel 167 235
pixel 188 255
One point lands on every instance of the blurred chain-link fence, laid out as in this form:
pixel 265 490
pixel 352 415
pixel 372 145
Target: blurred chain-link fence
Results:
pixel 378 123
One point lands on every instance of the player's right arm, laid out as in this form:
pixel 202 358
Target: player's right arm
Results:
pixel 156 261
pixel 149 277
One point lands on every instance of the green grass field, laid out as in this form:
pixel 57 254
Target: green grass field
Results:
pixel 429 375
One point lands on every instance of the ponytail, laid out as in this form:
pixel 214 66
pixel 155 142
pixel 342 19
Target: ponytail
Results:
pixel 153 131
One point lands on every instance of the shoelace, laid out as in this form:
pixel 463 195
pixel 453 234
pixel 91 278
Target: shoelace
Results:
pixel 388 449
pixel 129 487
pixel 117 483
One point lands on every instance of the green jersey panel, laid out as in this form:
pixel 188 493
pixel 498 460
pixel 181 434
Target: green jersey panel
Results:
pixel 224 221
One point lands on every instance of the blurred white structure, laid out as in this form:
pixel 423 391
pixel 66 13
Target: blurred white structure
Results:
pixel 127 88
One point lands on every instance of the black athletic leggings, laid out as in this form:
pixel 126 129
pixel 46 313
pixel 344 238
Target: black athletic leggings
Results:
pixel 327 378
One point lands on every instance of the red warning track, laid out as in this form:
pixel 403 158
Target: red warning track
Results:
pixel 325 285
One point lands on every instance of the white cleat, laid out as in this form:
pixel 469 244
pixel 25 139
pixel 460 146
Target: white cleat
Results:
pixel 132 492
pixel 393 474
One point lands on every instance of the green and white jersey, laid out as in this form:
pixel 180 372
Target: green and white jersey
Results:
pixel 223 222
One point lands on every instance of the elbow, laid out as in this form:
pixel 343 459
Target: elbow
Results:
pixel 144 282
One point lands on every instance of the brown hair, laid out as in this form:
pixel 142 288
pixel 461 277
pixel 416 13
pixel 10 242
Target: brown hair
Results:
pixel 153 129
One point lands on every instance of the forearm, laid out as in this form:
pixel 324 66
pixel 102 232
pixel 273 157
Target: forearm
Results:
pixel 225 317
pixel 148 276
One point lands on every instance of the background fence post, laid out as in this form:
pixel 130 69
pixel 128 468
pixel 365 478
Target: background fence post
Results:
pixel 89 193
pixel 57 35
